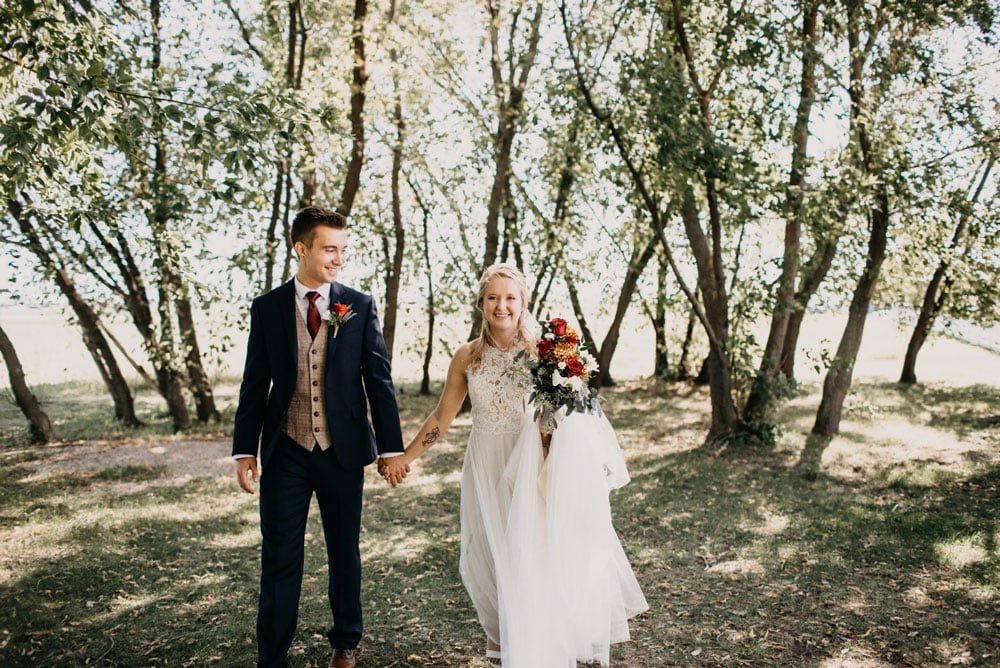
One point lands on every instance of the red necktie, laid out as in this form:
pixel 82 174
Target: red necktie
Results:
pixel 312 314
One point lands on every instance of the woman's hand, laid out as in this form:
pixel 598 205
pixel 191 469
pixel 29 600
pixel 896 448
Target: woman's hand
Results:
pixel 394 469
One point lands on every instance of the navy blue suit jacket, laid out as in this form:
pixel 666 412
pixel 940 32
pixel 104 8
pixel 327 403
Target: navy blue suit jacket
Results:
pixel 357 376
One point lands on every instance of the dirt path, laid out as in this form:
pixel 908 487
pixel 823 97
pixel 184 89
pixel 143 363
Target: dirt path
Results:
pixel 181 460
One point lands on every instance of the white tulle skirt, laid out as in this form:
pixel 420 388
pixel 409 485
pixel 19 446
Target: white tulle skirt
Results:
pixel 540 557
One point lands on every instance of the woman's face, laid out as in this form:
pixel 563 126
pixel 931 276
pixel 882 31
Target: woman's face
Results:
pixel 502 305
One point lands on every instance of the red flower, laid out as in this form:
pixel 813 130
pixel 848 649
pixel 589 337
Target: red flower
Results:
pixel 341 309
pixel 558 326
pixel 574 367
pixel 545 348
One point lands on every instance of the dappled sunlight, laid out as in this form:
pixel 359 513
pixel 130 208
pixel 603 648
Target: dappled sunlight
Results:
pixel 956 652
pixel 738 567
pixel 855 656
pixel 856 602
pixel 25 546
pixel 962 552
pixel 890 441
pixel 917 597
pixel 769 524
pixel 236 540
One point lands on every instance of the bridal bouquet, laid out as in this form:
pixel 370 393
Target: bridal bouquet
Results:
pixel 560 373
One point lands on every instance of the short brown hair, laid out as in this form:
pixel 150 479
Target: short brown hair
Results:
pixel 309 218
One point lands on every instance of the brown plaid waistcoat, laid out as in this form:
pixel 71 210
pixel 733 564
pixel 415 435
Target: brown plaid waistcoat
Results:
pixel 306 422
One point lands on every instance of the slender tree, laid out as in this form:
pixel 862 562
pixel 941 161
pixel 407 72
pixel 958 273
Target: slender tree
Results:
pixel 762 394
pixel 39 425
pixel 939 287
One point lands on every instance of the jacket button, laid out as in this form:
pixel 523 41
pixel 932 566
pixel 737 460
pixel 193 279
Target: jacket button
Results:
pixel 315 366
pixel 315 398
pixel 315 428
pixel 315 382
pixel 316 414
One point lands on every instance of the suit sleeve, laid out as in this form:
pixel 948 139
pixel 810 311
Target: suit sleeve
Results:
pixel 381 393
pixel 253 391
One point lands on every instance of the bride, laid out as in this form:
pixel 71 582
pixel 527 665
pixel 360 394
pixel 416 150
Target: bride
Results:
pixel 540 558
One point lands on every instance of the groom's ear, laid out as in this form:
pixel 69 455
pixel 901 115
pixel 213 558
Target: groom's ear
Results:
pixel 300 249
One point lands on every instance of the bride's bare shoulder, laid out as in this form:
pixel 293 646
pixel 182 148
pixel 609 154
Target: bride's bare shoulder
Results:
pixel 463 355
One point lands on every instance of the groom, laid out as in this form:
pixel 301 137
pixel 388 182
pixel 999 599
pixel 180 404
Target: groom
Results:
pixel 316 362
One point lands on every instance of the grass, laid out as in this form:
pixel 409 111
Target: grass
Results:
pixel 878 548
pixel 82 410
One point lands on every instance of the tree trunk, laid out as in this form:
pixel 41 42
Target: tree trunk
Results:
pixel 840 374
pixel 814 272
pixel 425 378
pixel 761 400
pixel 935 296
pixel 510 96
pixel 661 361
pixel 158 217
pixel 271 238
pixel 201 386
pixel 574 300
pixel 636 266
pixel 725 418
pixel 359 83
pixel 683 372
pixel 93 337
pixel 39 425
pixel 395 262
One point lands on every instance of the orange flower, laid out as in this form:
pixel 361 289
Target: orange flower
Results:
pixel 565 350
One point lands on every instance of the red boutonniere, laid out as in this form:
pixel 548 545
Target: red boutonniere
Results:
pixel 338 315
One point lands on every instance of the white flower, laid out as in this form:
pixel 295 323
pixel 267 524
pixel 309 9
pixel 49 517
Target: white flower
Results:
pixel 575 383
pixel 590 365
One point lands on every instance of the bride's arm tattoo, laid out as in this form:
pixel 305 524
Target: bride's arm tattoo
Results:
pixel 431 437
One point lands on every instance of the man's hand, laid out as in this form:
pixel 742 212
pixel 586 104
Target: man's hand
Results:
pixel 246 471
pixel 393 469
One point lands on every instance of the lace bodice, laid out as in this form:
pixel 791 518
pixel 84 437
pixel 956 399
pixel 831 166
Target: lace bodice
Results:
pixel 497 389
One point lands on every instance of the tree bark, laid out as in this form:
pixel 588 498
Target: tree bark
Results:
pixel 425 378
pixel 937 291
pixel 814 272
pixel 39 425
pixel 761 399
pixel 661 360
pixel 683 370
pixel 840 375
pixel 725 418
pixel 201 386
pixel 359 84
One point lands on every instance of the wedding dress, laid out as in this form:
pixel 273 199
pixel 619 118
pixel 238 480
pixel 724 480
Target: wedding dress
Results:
pixel 540 557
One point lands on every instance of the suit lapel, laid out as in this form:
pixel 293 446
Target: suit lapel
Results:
pixel 288 324
pixel 336 289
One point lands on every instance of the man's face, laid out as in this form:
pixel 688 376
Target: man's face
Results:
pixel 320 262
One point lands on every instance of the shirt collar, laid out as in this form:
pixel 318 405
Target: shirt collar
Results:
pixel 301 290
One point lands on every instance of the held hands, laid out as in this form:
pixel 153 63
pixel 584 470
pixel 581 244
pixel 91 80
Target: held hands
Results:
pixel 393 469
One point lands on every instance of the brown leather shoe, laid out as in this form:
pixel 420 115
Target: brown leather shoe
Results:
pixel 344 658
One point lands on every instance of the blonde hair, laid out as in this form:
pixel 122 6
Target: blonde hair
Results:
pixel 527 330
